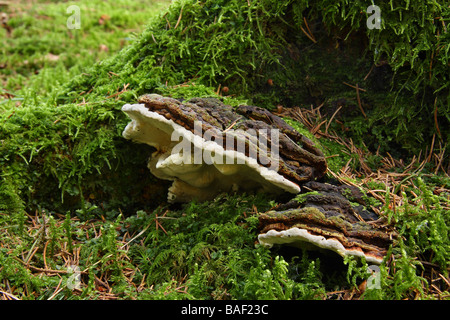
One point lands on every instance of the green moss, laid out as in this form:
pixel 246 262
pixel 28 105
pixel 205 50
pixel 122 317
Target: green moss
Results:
pixel 425 225
pixel 61 150
pixel 80 122
pixel 336 159
pixel 293 214
pixel 302 197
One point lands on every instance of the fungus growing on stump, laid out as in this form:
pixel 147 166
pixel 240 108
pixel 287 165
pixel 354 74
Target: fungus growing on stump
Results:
pixel 206 147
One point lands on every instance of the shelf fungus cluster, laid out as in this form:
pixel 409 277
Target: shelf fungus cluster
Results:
pixel 324 218
pixel 206 147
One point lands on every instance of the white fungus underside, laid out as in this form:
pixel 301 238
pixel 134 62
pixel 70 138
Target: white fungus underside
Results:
pixel 298 237
pixel 201 181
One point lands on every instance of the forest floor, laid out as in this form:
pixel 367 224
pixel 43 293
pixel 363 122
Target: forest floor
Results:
pixel 61 256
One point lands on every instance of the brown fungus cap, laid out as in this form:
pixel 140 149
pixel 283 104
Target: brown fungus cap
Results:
pixel 325 219
pixel 206 147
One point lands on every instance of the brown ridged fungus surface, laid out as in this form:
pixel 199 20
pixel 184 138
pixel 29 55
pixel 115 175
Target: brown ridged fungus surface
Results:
pixel 325 218
pixel 253 167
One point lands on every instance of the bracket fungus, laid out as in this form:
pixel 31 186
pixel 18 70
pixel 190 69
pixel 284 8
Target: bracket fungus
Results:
pixel 206 147
pixel 324 218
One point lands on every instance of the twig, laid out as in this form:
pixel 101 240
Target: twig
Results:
pixel 9 295
pixel 331 119
pixel 431 63
pixel 370 71
pixel 218 89
pixel 44 254
pixel 354 87
pixel 53 271
pixel 137 236
pixel 50 270
pixel 307 27
pixel 159 224
pixel 316 128
pixel 440 159
pixel 179 18
pixel 57 290
pixel 103 258
pixel 431 149
pixel 308 35
pixel 167 20
pixel 125 86
pixel 435 118
pixel 232 125
pixel 445 279
pixel 359 101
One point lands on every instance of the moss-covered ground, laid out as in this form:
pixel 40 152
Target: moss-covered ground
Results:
pixel 82 218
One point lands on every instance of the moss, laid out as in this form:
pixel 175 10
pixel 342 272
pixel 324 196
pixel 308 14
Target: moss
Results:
pixel 302 197
pixel 61 149
pixel 293 214
pixel 191 60
pixel 336 159
pixel 340 221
